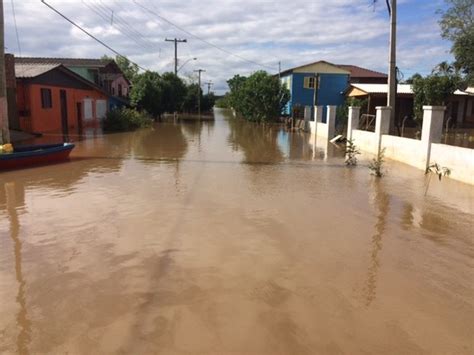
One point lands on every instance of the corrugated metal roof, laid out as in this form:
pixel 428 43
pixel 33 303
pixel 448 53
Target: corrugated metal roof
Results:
pixel 33 70
pixel 359 72
pixel 401 89
pixel 383 88
pixel 71 62
pixel 468 92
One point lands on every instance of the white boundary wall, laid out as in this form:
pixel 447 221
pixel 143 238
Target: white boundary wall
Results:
pixel 405 150
pixel 459 160
pixel 318 128
pixel 417 153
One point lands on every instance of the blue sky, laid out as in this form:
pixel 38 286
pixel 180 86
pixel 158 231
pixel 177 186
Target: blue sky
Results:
pixel 262 32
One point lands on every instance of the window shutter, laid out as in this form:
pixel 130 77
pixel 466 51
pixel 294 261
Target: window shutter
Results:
pixel 306 82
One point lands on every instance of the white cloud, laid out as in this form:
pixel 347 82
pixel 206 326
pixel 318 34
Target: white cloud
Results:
pixel 296 32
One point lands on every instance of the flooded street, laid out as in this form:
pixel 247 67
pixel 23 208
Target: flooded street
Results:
pixel 223 237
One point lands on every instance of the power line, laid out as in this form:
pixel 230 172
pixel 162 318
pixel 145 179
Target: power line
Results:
pixel 202 39
pixel 124 24
pixel 104 17
pixel 16 27
pixel 91 35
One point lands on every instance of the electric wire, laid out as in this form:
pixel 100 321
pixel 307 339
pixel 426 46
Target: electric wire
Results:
pixel 91 35
pixel 202 39
pixel 124 24
pixel 16 27
pixel 131 37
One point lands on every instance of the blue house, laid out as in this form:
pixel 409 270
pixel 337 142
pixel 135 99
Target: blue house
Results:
pixel 319 83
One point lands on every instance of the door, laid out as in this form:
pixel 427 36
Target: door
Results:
pixel 64 121
pixel 79 118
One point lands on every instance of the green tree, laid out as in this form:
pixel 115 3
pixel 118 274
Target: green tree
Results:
pixel 207 102
pixel 148 93
pixel 457 25
pixel 434 90
pixel 190 103
pixel 236 85
pixel 260 97
pixel 224 101
pixel 174 92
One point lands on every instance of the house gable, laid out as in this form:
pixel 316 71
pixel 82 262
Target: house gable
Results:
pixel 321 67
pixel 59 78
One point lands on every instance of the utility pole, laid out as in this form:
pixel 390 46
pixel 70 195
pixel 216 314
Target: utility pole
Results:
pixel 176 41
pixel 392 73
pixel 4 132
pixel 209 84
pixel 199 71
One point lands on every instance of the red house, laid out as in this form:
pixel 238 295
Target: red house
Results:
pixel 53 98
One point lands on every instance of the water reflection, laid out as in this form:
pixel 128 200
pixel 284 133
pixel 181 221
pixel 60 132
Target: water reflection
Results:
pixel 381 201
pixel 323 149
pixel 165 141
pixel 14 198
pixel 259 143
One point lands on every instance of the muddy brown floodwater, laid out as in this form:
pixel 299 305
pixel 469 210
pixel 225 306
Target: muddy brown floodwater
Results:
pixel 229 238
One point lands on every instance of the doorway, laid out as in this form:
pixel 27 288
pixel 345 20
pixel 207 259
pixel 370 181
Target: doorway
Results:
pixel 79 118
pixel 64 120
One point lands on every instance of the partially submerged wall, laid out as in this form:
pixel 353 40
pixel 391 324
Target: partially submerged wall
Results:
pixel 417 153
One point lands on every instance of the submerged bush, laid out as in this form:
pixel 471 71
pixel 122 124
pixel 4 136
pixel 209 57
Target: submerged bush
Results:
pixel 376 166
pixel 126 119
pixel 351 153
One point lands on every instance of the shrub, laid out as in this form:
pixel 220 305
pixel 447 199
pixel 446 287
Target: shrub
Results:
pixel 351 153
pixel 126 119
pixel 376 166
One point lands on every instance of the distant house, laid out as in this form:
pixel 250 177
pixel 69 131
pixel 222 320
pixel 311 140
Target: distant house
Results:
pixel 53 98
pixel 318 83
pixel 104 73
pixel 361 75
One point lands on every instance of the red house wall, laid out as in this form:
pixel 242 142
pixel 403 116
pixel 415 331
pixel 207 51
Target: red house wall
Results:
pixel 34 118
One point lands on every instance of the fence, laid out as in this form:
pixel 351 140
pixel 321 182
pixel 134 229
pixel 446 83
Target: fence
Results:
pixel 417 153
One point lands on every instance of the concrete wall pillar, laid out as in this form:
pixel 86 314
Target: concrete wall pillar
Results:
pixel 382 124
pixel 432 130
pixel 307 117
pixel 331 121
pixel 318 113
pixel 352 120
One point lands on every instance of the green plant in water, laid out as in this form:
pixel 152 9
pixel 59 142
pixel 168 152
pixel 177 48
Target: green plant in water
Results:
pixel 351 153
pixel 376 166
pixel 436 169
pixel 126 119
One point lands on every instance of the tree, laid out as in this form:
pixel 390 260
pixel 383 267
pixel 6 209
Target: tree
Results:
pixel 148 92
pixel 260 97
pixel 411 79
pixel 207 102
pixel 444 68
pixel 174 92
pixel 457 25
pixel 434 90
pixel 190 103
pixel 236 85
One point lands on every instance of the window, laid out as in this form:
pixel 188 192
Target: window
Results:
pixel 309 82
pixel 120 90
pixel 46 100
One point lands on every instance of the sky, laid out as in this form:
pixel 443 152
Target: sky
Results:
pixel 231 37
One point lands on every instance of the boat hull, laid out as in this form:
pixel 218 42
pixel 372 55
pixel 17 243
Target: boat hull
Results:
pixel 27 156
